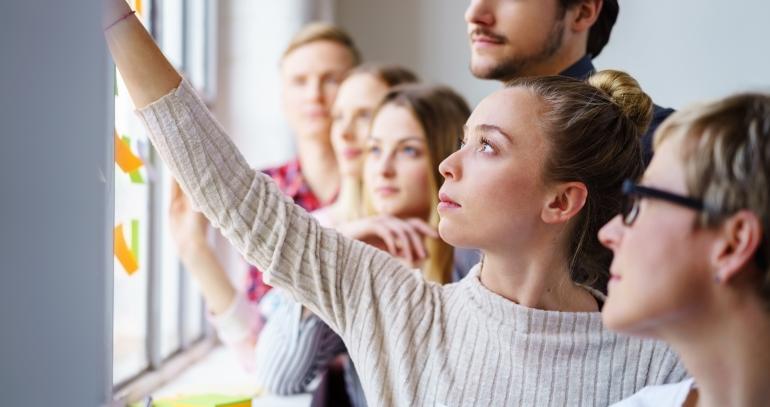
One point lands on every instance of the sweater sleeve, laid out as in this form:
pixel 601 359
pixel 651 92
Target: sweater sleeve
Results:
pixel 336 278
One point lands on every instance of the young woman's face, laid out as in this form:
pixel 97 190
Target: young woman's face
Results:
pixel 493 191
pixel 659 274
pixel 310 77
pixel 397 164
pixel 356 100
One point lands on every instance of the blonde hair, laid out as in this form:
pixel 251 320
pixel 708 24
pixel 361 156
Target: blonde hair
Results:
pixel 441 113
pixel 594 131
pixel 319 31
pixel 726 156
pixel 349 205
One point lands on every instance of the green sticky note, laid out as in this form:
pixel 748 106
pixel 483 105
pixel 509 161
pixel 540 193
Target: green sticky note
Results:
pixel 135 238
pixel 205 400
pixel 136 177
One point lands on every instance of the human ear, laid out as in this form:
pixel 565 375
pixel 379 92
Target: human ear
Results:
pixel 583 15
pixel 564 202
pixel 739 238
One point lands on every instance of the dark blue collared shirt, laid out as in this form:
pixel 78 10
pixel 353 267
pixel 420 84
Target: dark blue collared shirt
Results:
pixel 584 68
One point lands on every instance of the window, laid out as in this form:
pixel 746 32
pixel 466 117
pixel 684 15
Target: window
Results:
pixel 158 312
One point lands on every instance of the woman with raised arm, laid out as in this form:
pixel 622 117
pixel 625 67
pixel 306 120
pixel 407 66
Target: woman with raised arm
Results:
pixel 691 254
pixel 540 169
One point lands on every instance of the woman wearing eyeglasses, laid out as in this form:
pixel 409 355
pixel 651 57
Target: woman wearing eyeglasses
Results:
pixel 691 254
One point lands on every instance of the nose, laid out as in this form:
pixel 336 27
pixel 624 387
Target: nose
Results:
pixel 611 234
pixel 314 89
pixel 386 166
pixel 450 168
pixel 347 131
pixel 479 12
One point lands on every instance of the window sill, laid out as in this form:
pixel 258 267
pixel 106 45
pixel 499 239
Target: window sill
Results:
pixel 217 372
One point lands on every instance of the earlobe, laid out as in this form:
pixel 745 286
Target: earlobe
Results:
pixel 740 236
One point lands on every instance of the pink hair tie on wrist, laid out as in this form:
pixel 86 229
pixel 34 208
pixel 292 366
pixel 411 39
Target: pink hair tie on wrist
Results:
pixel 129 14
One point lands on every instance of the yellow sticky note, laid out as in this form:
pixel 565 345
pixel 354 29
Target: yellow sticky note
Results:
pixel 127 161
pixel 123 252
pixel 138 7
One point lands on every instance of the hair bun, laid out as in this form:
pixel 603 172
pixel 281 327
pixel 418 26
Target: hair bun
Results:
pixel 624 90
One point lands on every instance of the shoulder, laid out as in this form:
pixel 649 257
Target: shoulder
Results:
pixel 659 114
pixel 667 395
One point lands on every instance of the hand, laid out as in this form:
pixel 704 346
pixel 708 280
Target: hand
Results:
pixel 188 227
pixel 404 238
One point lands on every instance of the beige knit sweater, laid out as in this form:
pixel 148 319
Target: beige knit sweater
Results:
pixel 414 343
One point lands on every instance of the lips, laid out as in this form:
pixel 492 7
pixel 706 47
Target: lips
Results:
pixel 385 191
pixel 484 37
pixel 446 203
pixel 351 153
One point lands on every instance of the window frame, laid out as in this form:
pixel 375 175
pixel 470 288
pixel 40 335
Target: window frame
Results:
pixel 161 369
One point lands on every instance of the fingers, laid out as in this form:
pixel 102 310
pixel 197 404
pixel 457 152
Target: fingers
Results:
pixel 407 237
pixel 424 227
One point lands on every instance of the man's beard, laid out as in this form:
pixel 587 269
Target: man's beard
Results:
pixel 517 65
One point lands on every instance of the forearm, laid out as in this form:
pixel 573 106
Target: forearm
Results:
pixel 147 73
pixel 218 291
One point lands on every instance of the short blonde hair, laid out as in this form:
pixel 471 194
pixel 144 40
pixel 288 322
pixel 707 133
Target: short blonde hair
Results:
pixel 319 31
pixel 726 156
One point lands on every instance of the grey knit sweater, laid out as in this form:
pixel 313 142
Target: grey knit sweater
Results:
pixel 414 343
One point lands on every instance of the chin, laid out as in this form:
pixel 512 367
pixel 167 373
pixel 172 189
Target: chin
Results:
pixel 483 67
pixel 449 234
pixel 626 321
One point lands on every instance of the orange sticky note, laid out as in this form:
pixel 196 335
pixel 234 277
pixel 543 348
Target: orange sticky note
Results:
pixel 123 252
pixel 127 161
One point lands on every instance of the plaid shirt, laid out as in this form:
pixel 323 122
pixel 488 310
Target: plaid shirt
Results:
pixel 290 180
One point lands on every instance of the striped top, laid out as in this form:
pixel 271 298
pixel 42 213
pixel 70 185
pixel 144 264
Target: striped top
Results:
pixel 414 343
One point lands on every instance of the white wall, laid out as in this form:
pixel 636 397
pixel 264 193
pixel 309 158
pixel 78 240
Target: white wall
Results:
pixel 687 50
pixel 681 51
pixel 428 36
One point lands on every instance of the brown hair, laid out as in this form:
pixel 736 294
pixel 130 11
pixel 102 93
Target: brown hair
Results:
pixel 599 34
pixel 594 132
pixel 319 31
pixel 391 75
pixel 726 156
pixel 441 113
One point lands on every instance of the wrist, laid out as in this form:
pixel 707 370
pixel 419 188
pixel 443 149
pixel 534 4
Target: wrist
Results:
pixel 193 249
pixel 114 12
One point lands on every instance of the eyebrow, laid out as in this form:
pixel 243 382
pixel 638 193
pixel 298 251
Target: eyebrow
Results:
pixel 401 141
pixel 489 128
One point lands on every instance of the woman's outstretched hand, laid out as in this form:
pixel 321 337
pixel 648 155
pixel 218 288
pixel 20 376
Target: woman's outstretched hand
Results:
pixel 403 238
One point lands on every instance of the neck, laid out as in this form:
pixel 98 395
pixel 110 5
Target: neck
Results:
pixel 725 350
pixel 319 167
pixel 348 206
pixel 541 282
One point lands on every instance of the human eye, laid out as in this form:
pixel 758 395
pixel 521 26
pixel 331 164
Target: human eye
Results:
pixel 485 146
pixel 410 151
pixel 374 150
